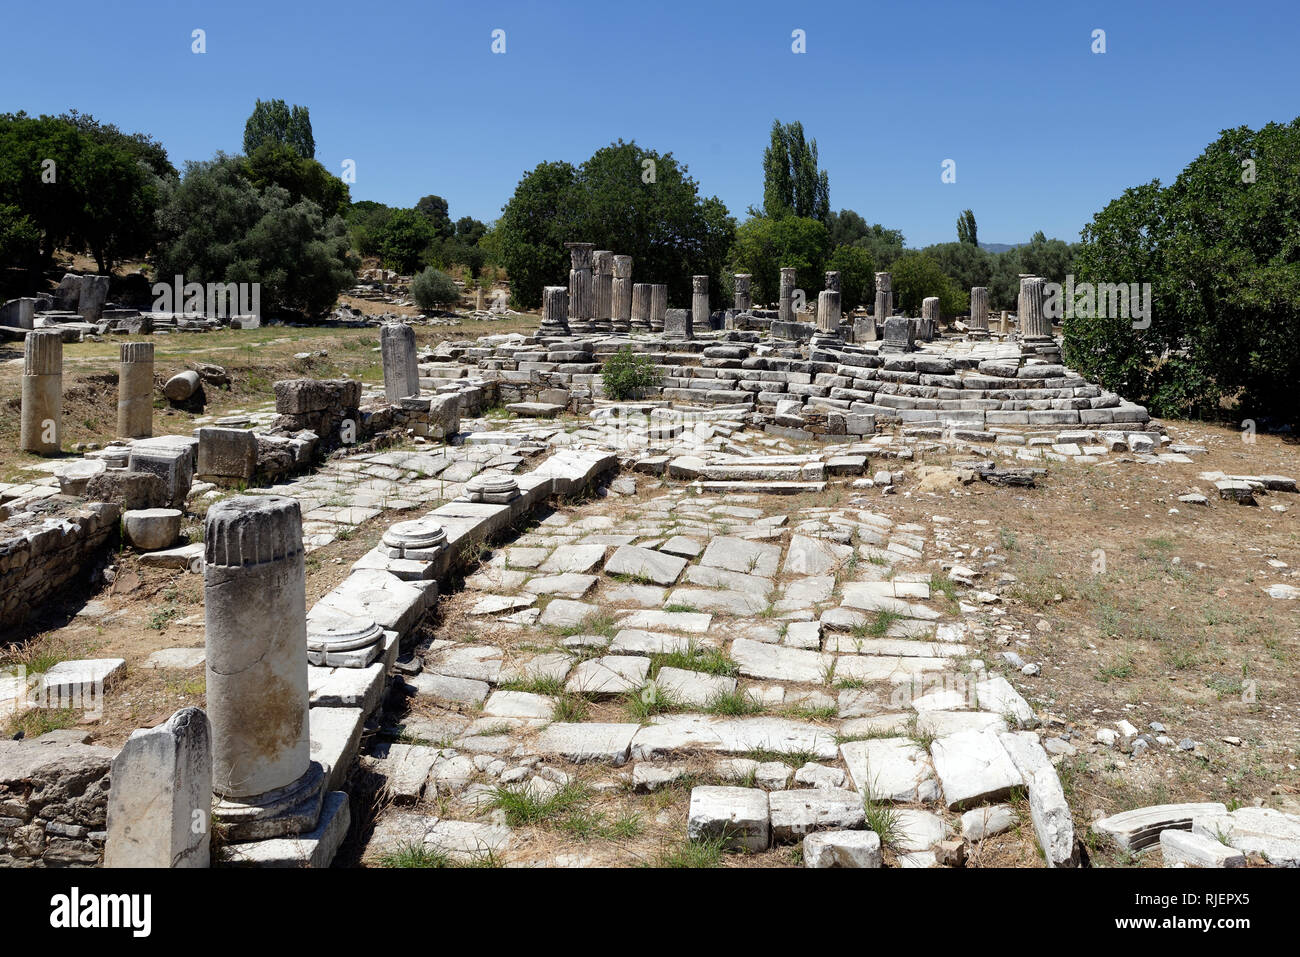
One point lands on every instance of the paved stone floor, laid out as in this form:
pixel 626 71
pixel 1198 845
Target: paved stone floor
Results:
pixel 683 643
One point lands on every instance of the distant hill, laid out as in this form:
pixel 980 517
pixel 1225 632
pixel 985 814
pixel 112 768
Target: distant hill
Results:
pixel 999 247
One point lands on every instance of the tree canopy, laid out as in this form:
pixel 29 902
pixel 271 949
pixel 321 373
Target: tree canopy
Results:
pixel 73 181
pixel 792 183
pixel 273 121
pixel 764 246
pixel 625 198
pixel 917 276
pixel 1220 247
pixel 217 226
pixel 966 230
pixel 278 164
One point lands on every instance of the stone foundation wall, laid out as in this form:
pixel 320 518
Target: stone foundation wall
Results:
pixel 328 407
pixel 912 389
pixel 38 561
pixel 53 802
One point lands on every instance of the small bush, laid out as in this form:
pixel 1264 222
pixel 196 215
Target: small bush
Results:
pixel 432 288
pixel 626 374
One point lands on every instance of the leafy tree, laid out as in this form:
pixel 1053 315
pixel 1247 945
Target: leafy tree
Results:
pixel 1125 242
pixel 280 164
pixel 661 221
pixel 668 229
pixel 272 121
pixel 20 240
pixel 366 220
pixel 847 228
pixel 432 288
pixel 1050 258
pixel 764 246
pixel 1004 281
pixel 966 232
pixel 141 146
pixel 917 276
pixel 123 196
pixel 964 264
pixel 885 245
pixel 1220 247
pixel 78 182
pixel 470 230
pixel 538 220
pixel 434 209
pixel 217 226
pixel 857 275
pixel 455 251
pixel 792 183
pixel 404 240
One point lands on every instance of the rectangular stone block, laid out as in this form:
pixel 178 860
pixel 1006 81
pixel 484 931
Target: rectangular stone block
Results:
pixel 160 804
pixel 227 454
pixel 175 466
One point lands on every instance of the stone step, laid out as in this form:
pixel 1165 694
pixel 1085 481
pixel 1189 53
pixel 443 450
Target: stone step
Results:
pixel 762 488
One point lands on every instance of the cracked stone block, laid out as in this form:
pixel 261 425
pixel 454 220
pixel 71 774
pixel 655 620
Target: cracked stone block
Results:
pixel 842 849
pixel 739 817
pixel 973 767
pixel 799 812
pixel 890 769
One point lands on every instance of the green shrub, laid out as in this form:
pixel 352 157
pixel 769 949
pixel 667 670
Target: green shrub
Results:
pixel 432 288
pixel 626 374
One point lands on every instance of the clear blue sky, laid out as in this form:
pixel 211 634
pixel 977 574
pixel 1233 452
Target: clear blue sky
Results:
pixel 1043 131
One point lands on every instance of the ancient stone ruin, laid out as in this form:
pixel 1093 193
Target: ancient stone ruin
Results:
pixel 780 668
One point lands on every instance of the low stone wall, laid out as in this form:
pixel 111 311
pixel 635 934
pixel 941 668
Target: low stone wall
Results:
pixel 37 561
pixel 331 409
pixel 53 802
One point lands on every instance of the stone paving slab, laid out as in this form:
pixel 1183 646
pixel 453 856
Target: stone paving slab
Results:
pixel 610 675
pixel 891 769
pixel 759 660
pixel 604 743
pixel 973 767
pixel 645 565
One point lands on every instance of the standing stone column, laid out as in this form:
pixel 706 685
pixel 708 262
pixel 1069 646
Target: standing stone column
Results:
pixel 785 305
pixel 254 596
pixel 979 312
pixel 929 317
pixel 1004 325
pixel 41 419
pixel 1020 300
pixel 828 315
pixel 135 390
pixel 581 306
pixel 555 311
pixel 1034 324
pixel 622 286
pixel 160 805
pixel 641 295
pixel 700 302
pixel 884 298
pixel 603 320
pixel 401 367
pixel 658 306
pixel 744 297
